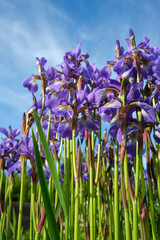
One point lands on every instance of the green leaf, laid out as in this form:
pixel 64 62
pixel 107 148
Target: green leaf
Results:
pixel 50 161
pixel 53 229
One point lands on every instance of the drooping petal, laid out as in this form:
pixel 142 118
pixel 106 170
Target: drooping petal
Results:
pixel 132 128
pixel 13 167
pixel 115 126
pixel 65 129
pixel 148 112
pixel 106 114
pixel 31 84
pixel 64 111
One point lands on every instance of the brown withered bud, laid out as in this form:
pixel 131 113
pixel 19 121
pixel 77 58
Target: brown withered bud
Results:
pixel 145 137
pixel 43 84
pixel 74 121
pixel 140 139
pixel 122 152
pixel 80 82
pixel 136 63
pixel 90 150
pixel 41 222
pixel 23 128
pixel 2 163
pixel 123 117
pixel 86 136
pixel 34 175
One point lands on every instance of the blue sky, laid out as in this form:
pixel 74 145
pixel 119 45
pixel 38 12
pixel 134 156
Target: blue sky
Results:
pixel 39 28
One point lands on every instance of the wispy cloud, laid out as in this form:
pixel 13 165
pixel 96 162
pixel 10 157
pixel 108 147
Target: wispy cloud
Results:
pixel 11 98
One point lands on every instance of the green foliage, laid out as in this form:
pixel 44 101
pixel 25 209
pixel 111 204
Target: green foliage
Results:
pixel 16 188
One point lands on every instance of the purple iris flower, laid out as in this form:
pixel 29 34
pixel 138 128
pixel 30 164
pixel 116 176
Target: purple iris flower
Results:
pixel 13 162
pixel 121 66
pixel 63 111
pixel 26 148
pixel 41 62
pixel 87 122
pixel 53 98
pixel 156 70
pixel 51 74
pixel 93 75
pixel 31 84
pixel 72 58
pixel 64 128
pixel 10 133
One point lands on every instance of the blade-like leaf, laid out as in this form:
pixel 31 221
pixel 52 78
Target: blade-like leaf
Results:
pixel 53 229
pixel 50 161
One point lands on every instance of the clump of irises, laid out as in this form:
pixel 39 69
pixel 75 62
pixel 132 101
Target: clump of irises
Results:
pixel 90 144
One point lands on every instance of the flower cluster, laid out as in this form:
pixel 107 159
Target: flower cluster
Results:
pixel 78 99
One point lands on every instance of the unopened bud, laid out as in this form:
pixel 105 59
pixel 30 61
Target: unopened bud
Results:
pixel 23 124
pixel 132 38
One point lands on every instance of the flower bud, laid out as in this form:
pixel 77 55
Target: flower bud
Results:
pixel 132 38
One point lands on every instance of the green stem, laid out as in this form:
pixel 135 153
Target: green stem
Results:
pixel 99 154
pixel 94 188
pixel 116 195
pixel 43 102
pixel 9 209
pixel 99 212
pixel 31 217
pixel 76 236
pixel 21 200
pixel 135 203
pixel 153 225
pixel 72 193
pixel 91 203
pixel 67 173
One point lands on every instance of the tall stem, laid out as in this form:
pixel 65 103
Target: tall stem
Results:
pixel 76 188
pixel 116 195
pixel 21 200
